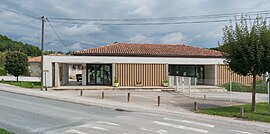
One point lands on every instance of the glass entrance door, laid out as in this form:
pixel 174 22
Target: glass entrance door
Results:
pixel 99 74
pixel 199 74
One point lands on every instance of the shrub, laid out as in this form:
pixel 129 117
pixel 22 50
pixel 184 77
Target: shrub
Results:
pixel 261 88
pixel 238 87
pixel 3 72
pixel 165 81
pixel 115 80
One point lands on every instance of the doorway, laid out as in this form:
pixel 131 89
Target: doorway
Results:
pixel 99 74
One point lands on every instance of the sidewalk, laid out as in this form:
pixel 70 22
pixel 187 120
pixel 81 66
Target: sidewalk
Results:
pixel 139 100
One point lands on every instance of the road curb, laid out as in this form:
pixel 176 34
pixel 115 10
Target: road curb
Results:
pixel 158 111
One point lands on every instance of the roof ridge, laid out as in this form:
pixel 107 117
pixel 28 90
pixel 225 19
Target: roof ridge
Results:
pixel 150 49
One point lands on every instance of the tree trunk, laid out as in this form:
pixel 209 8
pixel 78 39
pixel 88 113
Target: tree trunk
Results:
pixel 17 78
pixel 253 108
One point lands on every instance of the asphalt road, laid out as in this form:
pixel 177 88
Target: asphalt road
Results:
pixel 26 115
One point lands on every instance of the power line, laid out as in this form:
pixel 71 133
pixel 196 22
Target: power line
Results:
pixel 157 23
pixel 167 18
pixel 24 24
pixel 57 35
pixel 20 13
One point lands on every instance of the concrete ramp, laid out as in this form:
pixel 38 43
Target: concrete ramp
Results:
pixel 201 89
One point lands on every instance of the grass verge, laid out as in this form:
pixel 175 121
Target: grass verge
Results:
pixel 262 112
pixel 3 131
pixel 24 84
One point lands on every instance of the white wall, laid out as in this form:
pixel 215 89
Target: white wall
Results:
pixel 48 60
pixel 73 71
pixel 84 75
pixel 34 69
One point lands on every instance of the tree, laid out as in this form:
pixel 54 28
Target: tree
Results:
pixel 70 52
pixel 7 44
pixel 2 62
pixel 2 59
pixel 16 63
pixel 52 52
pixel 246 46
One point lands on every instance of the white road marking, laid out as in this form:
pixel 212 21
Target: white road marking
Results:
pixel 153 131
pixel 157 115
pixel 242 132
pixel 74 131
pixel 100 128
pixel 85 125
pixel 190 122
pixel 108 123
pixel 173 102
pixel 93 127
pixel 180 127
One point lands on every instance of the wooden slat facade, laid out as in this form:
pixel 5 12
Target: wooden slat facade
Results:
pixel 146 74
pixel 224 75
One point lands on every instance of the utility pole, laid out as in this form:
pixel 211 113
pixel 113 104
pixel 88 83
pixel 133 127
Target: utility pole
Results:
pixel 42 49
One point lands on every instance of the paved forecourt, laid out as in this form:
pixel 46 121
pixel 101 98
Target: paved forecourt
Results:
pixel 26 114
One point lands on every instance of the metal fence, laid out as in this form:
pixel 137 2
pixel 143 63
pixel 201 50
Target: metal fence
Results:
pixel 208 89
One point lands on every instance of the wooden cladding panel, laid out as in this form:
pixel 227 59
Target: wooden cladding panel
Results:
pixel 224 75
pixel 147 74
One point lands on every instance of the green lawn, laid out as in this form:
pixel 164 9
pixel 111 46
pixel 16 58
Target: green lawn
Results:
pixel 23 84
pixel 262 112
pixel 3 131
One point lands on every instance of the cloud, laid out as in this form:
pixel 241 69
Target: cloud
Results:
pixel 76 46
pixel 140 39
pixel 87 28
pixel 202 35
pixel 141 11
pixel 174 38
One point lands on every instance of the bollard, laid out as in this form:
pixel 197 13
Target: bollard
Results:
pixel 204 96
pixel 242 112
pixel 81 92
pixel 32 85
pixel 158 100
pixel 230 91
pixel 102 95
pixel 196 109
pixel 46 89
pixel 128 97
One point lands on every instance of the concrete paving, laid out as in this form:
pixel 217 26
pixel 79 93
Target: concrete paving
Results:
pixel 91 114
pixel 26 115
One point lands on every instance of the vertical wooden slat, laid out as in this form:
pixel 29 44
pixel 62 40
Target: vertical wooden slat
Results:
pixel 148 74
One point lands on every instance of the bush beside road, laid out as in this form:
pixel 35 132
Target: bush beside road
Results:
pixel 3 131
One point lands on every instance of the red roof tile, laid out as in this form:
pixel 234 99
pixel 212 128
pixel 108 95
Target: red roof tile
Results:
pixel 34 59
pixel 38 58
pixel 155 50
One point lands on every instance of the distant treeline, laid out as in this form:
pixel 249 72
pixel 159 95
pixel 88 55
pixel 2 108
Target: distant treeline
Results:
pixel 6 44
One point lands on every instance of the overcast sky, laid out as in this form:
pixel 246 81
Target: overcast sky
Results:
pixel 89 34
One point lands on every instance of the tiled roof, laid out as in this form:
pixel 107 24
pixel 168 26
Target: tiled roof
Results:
pixel 38 58
pixel 34 59
pixel 155 50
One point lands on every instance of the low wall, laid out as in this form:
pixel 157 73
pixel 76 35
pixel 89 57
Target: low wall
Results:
pixel 21 78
